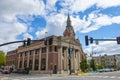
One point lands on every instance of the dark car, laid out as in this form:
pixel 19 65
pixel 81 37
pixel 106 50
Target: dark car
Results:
pixel 14 71
pixel 1 70
pixel 22 71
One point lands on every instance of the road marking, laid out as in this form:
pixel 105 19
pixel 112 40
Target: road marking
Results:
pixel 118 77
pixel 102 76
pixel 4 78
pixel 105 76
pixel 113 77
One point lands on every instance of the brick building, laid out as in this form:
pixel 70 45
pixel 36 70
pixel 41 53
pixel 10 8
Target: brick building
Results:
pixel 55 55
pixel 11 59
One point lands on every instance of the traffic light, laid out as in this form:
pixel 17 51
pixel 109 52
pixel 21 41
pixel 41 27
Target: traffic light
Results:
pixel 91 40
pixel 86 40
pixel 118 40
pixel 24 43
pixel 28 41
pixel 70 52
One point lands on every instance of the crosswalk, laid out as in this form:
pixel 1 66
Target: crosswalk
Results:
pixel 102 76
pixel 64 78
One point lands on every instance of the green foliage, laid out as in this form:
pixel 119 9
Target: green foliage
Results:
pixel 2 58
pixel 84 66
pixel 93 65
pixel 101 66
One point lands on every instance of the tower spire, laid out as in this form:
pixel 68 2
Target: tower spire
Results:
pixel 68 20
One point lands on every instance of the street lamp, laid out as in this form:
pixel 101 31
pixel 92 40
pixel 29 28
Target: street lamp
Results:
pixel 70 51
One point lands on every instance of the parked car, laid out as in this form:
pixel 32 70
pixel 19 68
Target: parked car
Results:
pixel 106 70
pixel 14 71
pixel 101 70
pixel 1 70
pixel 22 71
pixel 6 71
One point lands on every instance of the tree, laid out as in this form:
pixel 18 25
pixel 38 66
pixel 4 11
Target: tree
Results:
pixel 93 65
pixel 2 58
pixel 101 66
pixel 84 66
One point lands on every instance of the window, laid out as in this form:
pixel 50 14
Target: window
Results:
pixel 21 54
pixel 63 54
pixel 25 63
pixel 56 49
pixel 37 51
pixel 30 64
pixel 50 49
pixel 43 64
pixel 20 65
pixel 25 53
pixel 36 65
pixel 63 49
pixel 44 50
pixel 31 52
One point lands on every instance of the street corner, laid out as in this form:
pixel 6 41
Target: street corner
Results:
pixel 81 73
pixel 4 78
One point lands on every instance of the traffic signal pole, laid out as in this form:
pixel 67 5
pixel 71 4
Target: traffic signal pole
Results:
pixel 25 42
pixel 11 42
pixel 91 40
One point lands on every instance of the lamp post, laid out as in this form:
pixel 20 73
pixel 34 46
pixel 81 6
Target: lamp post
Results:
pixel 70 55
pixel 46 37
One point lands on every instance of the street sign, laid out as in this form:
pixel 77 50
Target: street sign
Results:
pixel 70 52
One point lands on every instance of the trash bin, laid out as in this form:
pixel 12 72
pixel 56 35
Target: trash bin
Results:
pixel 54 71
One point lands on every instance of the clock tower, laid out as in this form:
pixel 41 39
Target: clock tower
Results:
pixel 69 31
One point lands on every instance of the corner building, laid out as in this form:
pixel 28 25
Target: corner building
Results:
pixel 43 58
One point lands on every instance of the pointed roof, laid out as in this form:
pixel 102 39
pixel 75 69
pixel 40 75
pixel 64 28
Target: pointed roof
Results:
pixel 68 20
pixel 69 31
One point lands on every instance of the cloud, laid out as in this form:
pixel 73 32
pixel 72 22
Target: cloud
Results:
pixel 76 6
pixel 105 47
pixel 106 4
pixel 9 32
pixel 10 27
pixel 98 20
pixel 41 33
pixel 56 24
pixel 50 5
pixel 13 7
pixel 27 35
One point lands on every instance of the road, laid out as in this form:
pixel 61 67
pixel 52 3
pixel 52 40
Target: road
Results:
pixel 90 76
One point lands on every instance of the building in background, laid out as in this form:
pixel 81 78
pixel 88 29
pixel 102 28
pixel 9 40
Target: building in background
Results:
pixel 117 57
pixel 50 53
pixel 109 61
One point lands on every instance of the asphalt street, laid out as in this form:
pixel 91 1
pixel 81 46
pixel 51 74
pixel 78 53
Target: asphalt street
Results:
pixel 89 76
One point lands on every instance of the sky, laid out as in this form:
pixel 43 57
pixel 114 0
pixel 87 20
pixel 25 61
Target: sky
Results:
pixel 32 18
